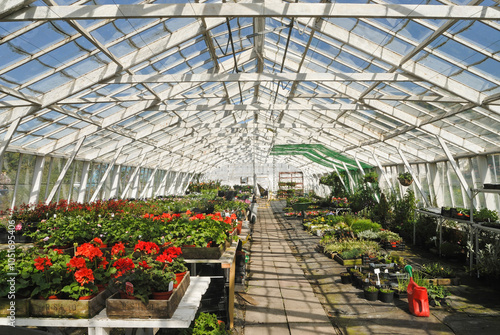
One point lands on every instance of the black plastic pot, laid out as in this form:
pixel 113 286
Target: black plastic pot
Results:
pixel 345 277
pixel 386 296
pixel 371 296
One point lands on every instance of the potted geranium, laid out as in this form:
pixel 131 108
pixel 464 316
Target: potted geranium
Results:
pixel 90 270
pixel 162 280
pixel 134 283
pixel 173 263
pixel 50 274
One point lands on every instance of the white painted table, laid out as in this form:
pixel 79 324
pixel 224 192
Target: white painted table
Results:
pixel 101 324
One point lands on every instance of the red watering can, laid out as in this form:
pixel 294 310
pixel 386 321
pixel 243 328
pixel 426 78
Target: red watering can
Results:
pixel 418 300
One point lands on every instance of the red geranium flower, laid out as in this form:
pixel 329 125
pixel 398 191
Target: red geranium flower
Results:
pixel 42 263
pixel 174 251
pixel 164 258
pixel 84 276
pixel 76 263
pixel 148 247
pixel 118 249
pixel 103 263
pixel 123 265
pixel 97 240
pixel 88 250
pixel 144 265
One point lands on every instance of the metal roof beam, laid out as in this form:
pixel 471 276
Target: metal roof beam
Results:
pixel 260 77
pixel 299 10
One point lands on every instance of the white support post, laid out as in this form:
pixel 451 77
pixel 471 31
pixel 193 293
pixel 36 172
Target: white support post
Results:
pixel 70 193
pixel 135 184
pixel 145 192
pixel 389 182
pixel 49 174
pixel 453 163
pixel 187 184
pixel 84 181
pixel 415 179
pixel 115 181
pixel 179 183
pixel 37 179
pixel 351 179
pixel 64 171
pixel 363 173
pixel 130 181
pixel 161 187
pixel 341 180
pixel 171 188
pixel 106 173
pixel 8 136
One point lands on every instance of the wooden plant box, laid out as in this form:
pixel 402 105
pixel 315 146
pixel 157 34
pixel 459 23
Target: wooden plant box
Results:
pixel 66 308
pixel 117 308
pixel 203 252
pixel 394 245
pixel 444 281
pixel 22 307
pixel 348 262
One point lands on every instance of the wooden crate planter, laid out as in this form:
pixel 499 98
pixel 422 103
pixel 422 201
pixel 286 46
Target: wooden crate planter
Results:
pixel 367 259
pixel 348 262
pixel 444 281
pixel 203 253
pixel 155 309
pixel 394 245
pixel 65 308
pixel 22 307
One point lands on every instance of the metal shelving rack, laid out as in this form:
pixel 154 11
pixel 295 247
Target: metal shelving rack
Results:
pixel 474 228
pixel 296 177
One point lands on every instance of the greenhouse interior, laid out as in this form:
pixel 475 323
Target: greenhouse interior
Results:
pixel 249 167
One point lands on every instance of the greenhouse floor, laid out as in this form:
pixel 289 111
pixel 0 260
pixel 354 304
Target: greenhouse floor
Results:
pixel 297 290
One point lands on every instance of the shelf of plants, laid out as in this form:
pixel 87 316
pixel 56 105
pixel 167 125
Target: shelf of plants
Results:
pixel 101 323
pixel 83 253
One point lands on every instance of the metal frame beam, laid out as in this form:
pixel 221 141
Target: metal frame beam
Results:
pixel 302 10
pixel 64 171
pixel 105 175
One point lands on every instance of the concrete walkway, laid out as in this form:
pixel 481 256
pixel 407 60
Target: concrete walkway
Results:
pixel 286 301
pixel 298 291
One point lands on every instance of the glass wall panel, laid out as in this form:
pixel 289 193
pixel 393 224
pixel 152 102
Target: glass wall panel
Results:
pixel 25 179
pixel 44 188
pixel 10 163
pixel 65 188
pixel 77 179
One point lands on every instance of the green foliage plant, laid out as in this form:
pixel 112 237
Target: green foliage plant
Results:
pixel 368 235
pixel 389 236
pixel 485 215
pixel 405 177
pixel 488 260
pixel 365 224
pixel 207 324
pixel 437 270
pixel 371 289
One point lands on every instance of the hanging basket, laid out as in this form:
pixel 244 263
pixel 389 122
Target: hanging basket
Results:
pixel 405 182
